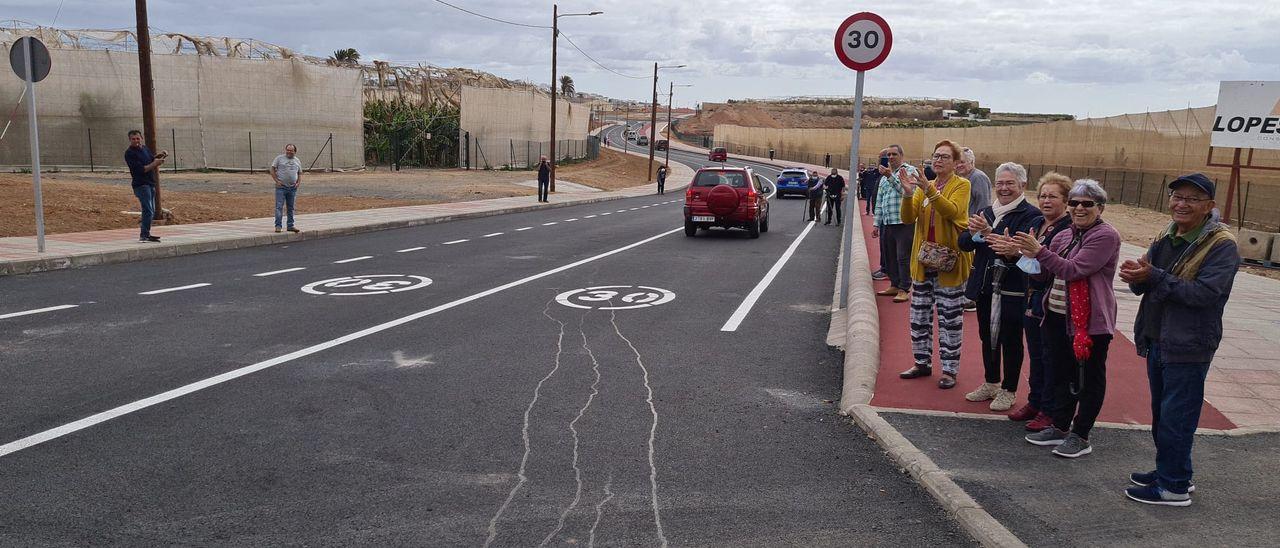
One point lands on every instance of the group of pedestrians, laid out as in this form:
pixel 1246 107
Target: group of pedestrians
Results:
pixel 826 193
pixel 285 170
pixel 1041 278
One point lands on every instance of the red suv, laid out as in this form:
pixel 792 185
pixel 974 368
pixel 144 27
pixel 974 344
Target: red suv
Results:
pixel 718 154
pixel 729 197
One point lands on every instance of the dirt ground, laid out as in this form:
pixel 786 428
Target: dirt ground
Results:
pixel 82 201
pixel 1139 227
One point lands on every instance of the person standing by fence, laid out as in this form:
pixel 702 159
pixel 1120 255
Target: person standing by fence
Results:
pixel 286 171
pixel 662 178
pixel 142 169
pixel 1185 281
pixel 544 179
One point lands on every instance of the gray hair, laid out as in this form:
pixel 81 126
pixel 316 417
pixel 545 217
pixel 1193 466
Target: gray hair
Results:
pixel 970 159
pixel 1018 172
pixel 899 148
pixel 1089 188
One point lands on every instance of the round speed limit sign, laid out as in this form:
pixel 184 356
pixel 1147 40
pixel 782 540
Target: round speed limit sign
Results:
pixel 863 41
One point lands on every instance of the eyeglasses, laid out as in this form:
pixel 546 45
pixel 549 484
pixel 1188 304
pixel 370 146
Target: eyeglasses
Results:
pixel 1077 203
pixel 941 156
pixel 1189 200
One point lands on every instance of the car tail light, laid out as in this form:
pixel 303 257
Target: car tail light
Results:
pixel 688 194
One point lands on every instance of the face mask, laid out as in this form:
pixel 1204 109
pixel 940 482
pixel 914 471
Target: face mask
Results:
pixel 1028 265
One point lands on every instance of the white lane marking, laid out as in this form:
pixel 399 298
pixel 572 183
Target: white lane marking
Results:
pixel 550 223
pixel 524 229
pixel 743 309
pixel 653 432
pixel 81 424
pixel 419 248
pixel 608 496
pixel 37 311
pixel 570 220
pixel 606 213
pixel 589 217
pixel 455 242
pixel 353 259
pixel 621 211
pixel 492 235
pixel 169 289
pixel 633 209
pixel 524 432
pixel 274 272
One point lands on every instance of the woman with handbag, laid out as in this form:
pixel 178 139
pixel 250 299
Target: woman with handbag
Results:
pixel 940 211
pixel 1079 318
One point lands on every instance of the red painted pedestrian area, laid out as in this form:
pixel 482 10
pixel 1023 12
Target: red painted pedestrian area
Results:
pixel 1128 398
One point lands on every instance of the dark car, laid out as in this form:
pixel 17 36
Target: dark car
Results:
pixel 718 154
pixel 660 144
pixel 728 197
pixel 793 180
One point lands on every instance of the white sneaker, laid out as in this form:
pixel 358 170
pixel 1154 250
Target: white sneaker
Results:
pixel 1004 401
pixel 984 392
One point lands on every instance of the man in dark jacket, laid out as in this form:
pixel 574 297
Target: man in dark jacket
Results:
pixel 834 187
pixel 815 197
pixel 544 179
pixel 998 286
pixel 142 170
pixel 868 183
pixel 1185 281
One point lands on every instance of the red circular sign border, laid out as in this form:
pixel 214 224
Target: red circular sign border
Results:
pixel 844 26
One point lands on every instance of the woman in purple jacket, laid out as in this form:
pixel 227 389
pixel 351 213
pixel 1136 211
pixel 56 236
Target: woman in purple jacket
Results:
pixel 1080 316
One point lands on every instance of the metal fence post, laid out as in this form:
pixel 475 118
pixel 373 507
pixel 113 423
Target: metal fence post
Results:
pixel 331 143
pixel 90 130
pixel 250 152
pixel 173 138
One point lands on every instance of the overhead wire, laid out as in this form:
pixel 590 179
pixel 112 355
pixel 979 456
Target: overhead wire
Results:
pixel 493 18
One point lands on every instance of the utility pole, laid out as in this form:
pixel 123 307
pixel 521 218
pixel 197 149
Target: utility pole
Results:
pixel 653 121
pixel 666 161
pixel 555 34
pixel 148 91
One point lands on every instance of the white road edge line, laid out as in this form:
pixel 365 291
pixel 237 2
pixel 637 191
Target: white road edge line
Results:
pixel 274 272
pixel 353 259
pixel 92 420
pixel 170 289
pixel 37 311
pixel 492 235
pixel 419 248
pixel 455 242
pixel 524 229
pixel 745 308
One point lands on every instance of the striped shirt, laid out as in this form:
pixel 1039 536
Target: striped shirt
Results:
pixel 1058 297
pixel 889 198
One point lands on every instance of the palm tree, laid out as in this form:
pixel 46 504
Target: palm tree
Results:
pixel 566 85
pixel 347 56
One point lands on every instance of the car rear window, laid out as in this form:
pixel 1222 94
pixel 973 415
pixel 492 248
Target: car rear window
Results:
pixel 799 174
pixel 734 179
pixel 717 149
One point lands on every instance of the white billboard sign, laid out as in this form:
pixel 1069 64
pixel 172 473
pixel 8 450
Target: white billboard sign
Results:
pixel 1248 115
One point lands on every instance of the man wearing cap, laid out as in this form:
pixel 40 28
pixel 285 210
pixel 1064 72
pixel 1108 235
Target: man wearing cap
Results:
pixel 1185 281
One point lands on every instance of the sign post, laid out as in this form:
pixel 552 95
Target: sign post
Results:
pixel 1247 116
pixel 862 42
pixel 30 61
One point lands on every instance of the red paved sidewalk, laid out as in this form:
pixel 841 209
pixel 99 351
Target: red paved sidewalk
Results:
pixel 1127 401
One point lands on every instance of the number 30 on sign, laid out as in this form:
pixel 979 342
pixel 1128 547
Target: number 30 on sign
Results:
pixel 863 41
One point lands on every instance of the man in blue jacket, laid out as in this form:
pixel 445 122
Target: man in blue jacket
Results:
pixel 1185 281
pixel 142 170
pixel 998 286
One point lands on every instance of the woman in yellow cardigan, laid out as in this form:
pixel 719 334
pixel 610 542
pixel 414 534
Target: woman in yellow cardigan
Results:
pixel 940 211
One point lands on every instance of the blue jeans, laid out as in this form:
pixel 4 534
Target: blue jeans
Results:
pixel 147 199
pixel 285 196
pixel 1177 394
pixel 1039 381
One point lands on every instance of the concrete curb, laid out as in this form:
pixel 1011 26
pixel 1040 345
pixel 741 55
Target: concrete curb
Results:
pixel 861 364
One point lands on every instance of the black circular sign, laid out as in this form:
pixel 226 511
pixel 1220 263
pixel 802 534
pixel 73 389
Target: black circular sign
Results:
pixel 40 62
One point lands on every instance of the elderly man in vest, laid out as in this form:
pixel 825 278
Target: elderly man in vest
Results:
pixel 1185 280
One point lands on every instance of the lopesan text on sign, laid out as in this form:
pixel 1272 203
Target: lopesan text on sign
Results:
pixel 1242 124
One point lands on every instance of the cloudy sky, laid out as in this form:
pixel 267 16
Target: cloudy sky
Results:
pixel 1082 57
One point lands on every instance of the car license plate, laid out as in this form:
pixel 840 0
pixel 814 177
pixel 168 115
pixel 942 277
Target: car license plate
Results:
pixel 703 219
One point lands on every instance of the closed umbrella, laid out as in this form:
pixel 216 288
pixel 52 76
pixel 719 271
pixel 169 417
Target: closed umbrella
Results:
pixel 998 270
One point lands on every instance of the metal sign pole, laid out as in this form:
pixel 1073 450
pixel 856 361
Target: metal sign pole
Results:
pixel 34 132
pixel 850 208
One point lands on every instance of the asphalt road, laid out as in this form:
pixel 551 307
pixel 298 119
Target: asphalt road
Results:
pixel 493 405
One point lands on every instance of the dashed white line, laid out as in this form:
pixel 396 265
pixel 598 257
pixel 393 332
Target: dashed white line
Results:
pixel 570 220
pixel 550 223
pixel 274 272
pixel 606 213
pixel 455 242
pixel 120 411
pixel 492 235
pixel 419 248
pixel 524 229
pixel 37 311
pixel 621 211
pixel 633 209
pixel 353 259
pixel 589 217
pixel 170 289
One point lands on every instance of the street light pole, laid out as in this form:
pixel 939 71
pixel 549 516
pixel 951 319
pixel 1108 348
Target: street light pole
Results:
pixel 671 98
pixel 555 34
pixel 653 117
pixel 148 92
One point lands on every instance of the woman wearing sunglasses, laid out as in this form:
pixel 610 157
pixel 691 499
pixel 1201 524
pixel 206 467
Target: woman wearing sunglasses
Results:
pixel 1080 316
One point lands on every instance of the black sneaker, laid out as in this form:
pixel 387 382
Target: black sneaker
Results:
pixel 153 238
pixel 1148 479
pixel 970 306
pixel 1158 496
pixel 1047 437
pixel 879 275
